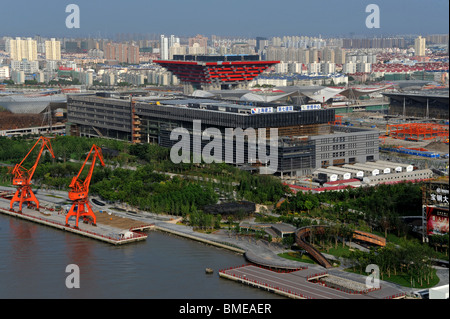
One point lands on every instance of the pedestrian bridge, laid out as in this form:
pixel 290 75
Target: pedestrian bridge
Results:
pixel 301 234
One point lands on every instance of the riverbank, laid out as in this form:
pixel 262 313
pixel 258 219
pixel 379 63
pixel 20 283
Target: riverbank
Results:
pixel 265 254
pixel 256 251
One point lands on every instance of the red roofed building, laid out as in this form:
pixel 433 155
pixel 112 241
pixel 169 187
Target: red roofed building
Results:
pixel 215 72
pixel 348 182
pixel 296 188
pixel 332 188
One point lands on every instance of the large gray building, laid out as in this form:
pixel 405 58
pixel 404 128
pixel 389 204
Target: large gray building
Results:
pixel 305 139
pixel 346 145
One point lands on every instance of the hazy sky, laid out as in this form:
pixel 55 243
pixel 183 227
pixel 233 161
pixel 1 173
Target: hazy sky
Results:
pixel 247 18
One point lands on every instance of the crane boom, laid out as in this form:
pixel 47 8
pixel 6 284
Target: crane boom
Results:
pixel 22 176
pixel 79 190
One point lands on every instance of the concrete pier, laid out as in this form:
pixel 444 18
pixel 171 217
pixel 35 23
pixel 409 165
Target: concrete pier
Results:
pixel 299 284
pixel 103 232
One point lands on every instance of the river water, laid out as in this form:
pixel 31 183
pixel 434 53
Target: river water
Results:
pixel 33 261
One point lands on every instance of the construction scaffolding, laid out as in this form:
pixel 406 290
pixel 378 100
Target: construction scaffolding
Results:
pixel 419 131
pixel 302 130
pixel 135 125
pixel 337 120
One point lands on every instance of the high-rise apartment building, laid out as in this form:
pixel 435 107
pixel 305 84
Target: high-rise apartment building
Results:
pixel 123 53
pixel 4 72
pixel 176 49
pixel 164 48
pixel 349 67
pixel 53 50
pixel 437 38
pixel 201 40
pixel 18 77
pixel 419 46
pixel 173 40
pixel 363 67
pixel 109 78
pixel 86 77
pixel 196 49
pixel 328 55
pixel 261 43
pixel 339 55
pixel 367 43
pixel 28 67
pixel 327 67
pixel 22 49
pixel 313 55
pixel 132 54
pixel 289 54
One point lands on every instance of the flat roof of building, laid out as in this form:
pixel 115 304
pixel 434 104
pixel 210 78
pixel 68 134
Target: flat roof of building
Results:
pixel 215 58
pixel 245 108
pixel 347 181
pixel 284 228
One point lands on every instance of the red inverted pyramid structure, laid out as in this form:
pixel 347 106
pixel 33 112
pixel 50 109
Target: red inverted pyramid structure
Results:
pixel 215 72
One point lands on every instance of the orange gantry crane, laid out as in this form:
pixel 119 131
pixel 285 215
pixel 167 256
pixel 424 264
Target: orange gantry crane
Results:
pixel 22 176
pixel 79 191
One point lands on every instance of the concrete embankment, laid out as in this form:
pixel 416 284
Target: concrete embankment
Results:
pixel 200 239
pixel 257 252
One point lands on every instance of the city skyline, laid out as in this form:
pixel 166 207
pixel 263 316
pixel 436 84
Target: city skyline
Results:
pixel 234 18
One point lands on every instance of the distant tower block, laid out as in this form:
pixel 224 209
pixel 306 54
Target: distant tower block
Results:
pixel 215 72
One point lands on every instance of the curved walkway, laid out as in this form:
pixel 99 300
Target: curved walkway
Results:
pixel 256 251
pixel 300 235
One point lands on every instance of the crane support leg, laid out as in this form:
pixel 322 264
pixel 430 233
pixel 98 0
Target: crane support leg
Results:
pixel 23 194
pixel 81 209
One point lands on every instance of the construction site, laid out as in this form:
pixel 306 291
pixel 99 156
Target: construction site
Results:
pixel 17 124
pixel 420 134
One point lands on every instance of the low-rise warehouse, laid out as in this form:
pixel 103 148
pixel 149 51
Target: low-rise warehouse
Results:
pixel 399 177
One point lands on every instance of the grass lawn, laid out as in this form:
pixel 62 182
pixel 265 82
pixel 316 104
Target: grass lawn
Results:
pixel 297 257
pixel 54 196
pixel 337 252
pixel 404 279
pixel 441 255
pixel 392 238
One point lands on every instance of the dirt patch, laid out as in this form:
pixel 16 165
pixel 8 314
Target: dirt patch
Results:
pixel 9 121
pixel 437 147
pixel 117 221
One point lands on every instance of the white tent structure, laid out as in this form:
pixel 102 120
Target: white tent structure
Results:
pixel 317 93
pixel 263 97
pixel 323 94
pixel 202 93
pixel 356 92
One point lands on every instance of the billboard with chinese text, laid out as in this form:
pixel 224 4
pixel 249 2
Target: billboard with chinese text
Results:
pixel 437 220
